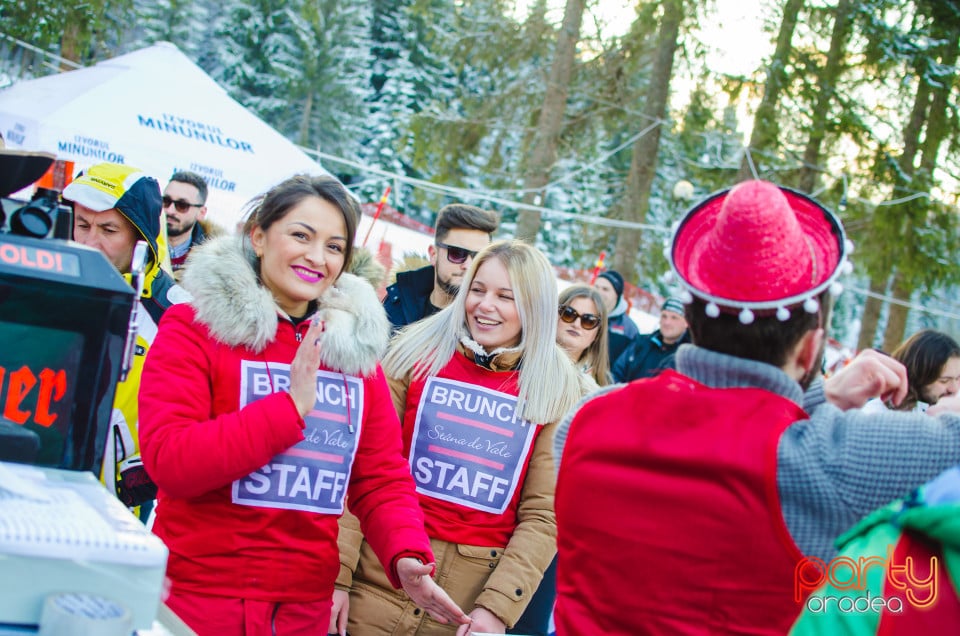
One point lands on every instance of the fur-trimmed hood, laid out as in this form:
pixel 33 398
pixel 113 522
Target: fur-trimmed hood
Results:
pixel 230 301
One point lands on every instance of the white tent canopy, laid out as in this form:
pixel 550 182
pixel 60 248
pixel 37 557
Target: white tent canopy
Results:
pixel 156 110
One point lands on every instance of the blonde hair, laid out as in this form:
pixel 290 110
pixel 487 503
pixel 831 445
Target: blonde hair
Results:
pixel 596 356
pixel 548 381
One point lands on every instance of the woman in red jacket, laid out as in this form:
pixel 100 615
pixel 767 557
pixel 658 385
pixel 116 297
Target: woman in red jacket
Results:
pixel 262 407
pixel 479 387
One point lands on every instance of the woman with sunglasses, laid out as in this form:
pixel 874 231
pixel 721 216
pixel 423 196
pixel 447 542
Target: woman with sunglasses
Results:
pixel 582 331
pixel 477 426
pixel 262 407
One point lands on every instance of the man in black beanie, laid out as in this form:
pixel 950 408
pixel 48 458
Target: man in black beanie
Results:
pixel 648 354
pixel 622 328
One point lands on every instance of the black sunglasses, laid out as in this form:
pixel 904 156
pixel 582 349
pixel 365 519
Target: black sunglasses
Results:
pixel 457 255
pixel 180 204
pixel 587 321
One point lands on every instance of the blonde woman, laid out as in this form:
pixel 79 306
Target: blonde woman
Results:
pixel 479 388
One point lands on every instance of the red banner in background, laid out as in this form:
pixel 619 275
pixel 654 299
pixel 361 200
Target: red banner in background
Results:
pixel 390 213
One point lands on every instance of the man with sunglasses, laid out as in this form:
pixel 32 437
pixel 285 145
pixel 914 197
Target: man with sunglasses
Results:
pixel 461 231
pixel 647 354
pixel 185 206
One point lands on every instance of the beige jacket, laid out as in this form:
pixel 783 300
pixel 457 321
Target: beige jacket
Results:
pixel 501 579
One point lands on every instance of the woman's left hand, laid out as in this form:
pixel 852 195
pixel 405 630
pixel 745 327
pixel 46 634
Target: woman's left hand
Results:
pixel 483 621
pixel 424 591
pixel 339 613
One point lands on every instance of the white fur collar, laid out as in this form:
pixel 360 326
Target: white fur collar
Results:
pixel 239 311
pixel 478 349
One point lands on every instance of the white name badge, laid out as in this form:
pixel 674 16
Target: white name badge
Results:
pixel 469 445
pixel 312 475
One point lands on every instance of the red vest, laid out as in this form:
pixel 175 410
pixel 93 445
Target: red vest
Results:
pixel 668 516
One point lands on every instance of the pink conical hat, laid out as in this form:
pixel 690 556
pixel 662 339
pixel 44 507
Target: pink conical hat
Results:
pixel 758 246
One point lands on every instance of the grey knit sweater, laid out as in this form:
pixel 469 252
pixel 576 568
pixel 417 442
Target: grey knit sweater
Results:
pixel 837 466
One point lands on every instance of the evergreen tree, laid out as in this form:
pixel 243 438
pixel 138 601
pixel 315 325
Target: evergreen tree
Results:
pixel 826 96
pixel 551 116
pixel 404 78
pixel 257 55
pixel 180 22
pixel 636 200
pixel 766 126
pixel 325 96
pixel 80 32
pixel 909 242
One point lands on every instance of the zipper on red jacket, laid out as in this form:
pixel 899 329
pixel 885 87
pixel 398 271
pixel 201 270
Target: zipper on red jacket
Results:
pixel 299 330
pixel 346 394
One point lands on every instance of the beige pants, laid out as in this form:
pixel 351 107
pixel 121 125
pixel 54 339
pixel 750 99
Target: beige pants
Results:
pixel 376 609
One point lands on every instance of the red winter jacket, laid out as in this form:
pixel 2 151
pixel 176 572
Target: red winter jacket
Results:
pixel 250 492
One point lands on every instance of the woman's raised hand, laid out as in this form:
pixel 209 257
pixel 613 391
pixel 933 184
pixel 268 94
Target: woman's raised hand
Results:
pixel 303 369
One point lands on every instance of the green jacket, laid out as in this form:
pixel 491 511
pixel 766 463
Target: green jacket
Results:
pixel 875 605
